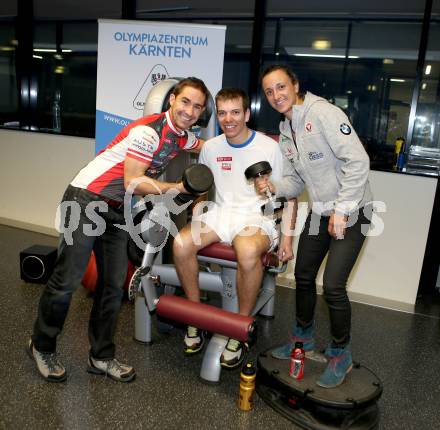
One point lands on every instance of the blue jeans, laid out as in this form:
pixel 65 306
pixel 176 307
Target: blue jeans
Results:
pixel 74 252
pixel 342 255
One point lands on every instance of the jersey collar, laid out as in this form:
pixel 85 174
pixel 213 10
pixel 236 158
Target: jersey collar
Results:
pixel 172 126
pixel 245 143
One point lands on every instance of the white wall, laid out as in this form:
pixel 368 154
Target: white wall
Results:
pixel 388 270
pixel 35 169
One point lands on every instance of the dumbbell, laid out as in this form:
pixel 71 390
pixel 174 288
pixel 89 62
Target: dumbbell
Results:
pixel 257 170
pixel 197 179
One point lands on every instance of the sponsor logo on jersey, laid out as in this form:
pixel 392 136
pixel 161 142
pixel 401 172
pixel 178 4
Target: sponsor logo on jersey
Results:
pixel 220 159
pixel 309 127
pixel 283 139
pixel 345 128
pixel 139 144
pixel 313 155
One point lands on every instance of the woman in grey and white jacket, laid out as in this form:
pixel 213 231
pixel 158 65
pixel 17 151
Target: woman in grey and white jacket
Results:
pixel 324 155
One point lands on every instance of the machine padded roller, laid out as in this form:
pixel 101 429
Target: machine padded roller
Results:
pixel 197 178
pixel 258 169
pixel 206 317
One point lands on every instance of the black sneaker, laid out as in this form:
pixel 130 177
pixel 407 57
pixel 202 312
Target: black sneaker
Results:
pixel 234 354
pixel 194 340
pixel 112 368
pixel 48 365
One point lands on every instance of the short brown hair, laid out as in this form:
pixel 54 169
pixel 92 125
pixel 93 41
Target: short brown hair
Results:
pixel 231 94
pixel 193 82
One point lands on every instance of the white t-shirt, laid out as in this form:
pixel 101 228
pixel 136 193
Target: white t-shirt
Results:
pixel 228 163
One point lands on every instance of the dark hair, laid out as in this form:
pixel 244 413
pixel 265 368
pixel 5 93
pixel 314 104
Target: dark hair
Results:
pixel 231 94
pixel 193 82
pixel 275 67
pixel 292 76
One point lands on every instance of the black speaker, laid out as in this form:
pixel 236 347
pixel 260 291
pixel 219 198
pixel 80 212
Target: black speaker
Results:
pixel 37 263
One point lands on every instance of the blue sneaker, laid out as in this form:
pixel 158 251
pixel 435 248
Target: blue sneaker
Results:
pixel 339 364
pixel 300 334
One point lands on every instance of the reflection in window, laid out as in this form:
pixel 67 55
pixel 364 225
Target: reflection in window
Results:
pixel 238 43
pixel 424 153
pixel 65 59
pixel 8 77
pixel 367 68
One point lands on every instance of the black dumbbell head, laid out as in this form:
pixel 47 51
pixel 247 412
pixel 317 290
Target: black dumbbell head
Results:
pixel 197 178
pixel 258 169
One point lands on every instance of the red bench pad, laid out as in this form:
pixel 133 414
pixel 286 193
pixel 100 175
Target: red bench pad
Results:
pixel 223 251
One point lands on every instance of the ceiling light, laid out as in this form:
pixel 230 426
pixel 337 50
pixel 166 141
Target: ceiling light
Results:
pixel 428 69
pixel 397 80
pixel 388 61
pixel 44 50
pixel 255 106
pixel 325 55
pixel 424 85
pixel 39 57
pixel 321 44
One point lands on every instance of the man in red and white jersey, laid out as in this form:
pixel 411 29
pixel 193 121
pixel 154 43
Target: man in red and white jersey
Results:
pixel 93 210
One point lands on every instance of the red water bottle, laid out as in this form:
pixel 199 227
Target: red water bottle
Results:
pixel 297 356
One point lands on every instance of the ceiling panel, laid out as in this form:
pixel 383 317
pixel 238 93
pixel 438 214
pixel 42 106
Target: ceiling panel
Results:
pixel 351 8
pixel 77 9
pixel 163 9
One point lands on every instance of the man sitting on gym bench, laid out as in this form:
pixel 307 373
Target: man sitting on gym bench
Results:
pixel 235 217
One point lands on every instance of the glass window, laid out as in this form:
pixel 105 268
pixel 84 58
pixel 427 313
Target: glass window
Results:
pixel 238 44
pixel 380 82
pixel 367 68
pixel 80 43
pixel 65 64
pixel 423 156
pixel 315 50
pixel 8 76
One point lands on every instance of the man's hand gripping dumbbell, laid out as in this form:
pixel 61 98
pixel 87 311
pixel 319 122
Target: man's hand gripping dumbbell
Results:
pixel 260 173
